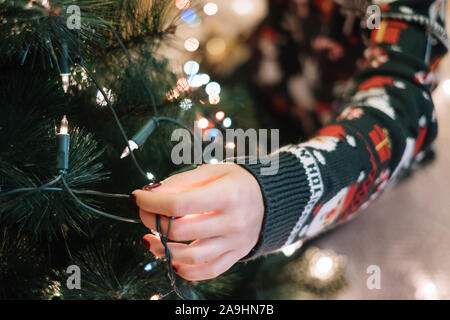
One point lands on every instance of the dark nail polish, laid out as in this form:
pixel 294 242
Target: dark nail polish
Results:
pixel 151 186
pixel 133 198
pixel 174 268
pixel 145 243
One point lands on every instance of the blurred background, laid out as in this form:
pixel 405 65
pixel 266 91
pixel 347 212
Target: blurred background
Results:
pixel 405 233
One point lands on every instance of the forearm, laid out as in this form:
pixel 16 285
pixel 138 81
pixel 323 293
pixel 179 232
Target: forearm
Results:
pixel 386 122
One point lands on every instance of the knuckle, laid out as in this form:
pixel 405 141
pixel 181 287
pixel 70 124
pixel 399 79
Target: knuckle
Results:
pixel 233 196
pixel 175 231
pixel 176 207
pixel 194 257
pixel 238 223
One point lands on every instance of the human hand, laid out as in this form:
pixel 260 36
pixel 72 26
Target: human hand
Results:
pixel 220 207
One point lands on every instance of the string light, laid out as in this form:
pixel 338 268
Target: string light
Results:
pixel 139 138
pixel 210 8
pixel 226 122
pixel 65 81
pixel 191 67
pixel 212 89
pixel 191 44
pixel 64 128
pixel 220 115
pixel 203 123
pixel 62 155
pixel 65 71
pixel 155 297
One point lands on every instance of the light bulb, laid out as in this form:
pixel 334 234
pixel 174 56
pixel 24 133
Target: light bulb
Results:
pixel 65 81
pixel 64 128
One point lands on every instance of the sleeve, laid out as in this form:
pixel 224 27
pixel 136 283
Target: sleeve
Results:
pixel 386 122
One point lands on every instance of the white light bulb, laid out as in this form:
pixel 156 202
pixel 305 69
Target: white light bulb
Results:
pixel 64 128
pixel 65 81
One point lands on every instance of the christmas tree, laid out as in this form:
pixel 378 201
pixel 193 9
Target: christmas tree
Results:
pixel 88 102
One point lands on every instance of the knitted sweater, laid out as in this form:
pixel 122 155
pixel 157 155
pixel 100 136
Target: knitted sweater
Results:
pixel 384 124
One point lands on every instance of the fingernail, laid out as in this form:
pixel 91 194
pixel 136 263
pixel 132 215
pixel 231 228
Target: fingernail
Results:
pixel 151 186
pixel 133 198
pixel 175 269
pixel 145 243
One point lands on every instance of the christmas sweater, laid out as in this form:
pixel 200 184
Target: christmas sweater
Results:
pixel 384 123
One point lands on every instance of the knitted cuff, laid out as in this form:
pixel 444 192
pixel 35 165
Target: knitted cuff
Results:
pixel 286 191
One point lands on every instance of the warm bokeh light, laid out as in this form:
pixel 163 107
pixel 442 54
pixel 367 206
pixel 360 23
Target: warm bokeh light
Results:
pixel 191 67
pixel 182 4
pixel 243 7
pixel 213 89
pixel 203 123
pixel 214 99
pixel 216 46
pixel 191 44
pixel 195 81
pixel 172 94
pixel 210 8
pixel 183 85
pixel 322 267
pixel 220 115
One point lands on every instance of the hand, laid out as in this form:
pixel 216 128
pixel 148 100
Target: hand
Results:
pixel 220 207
